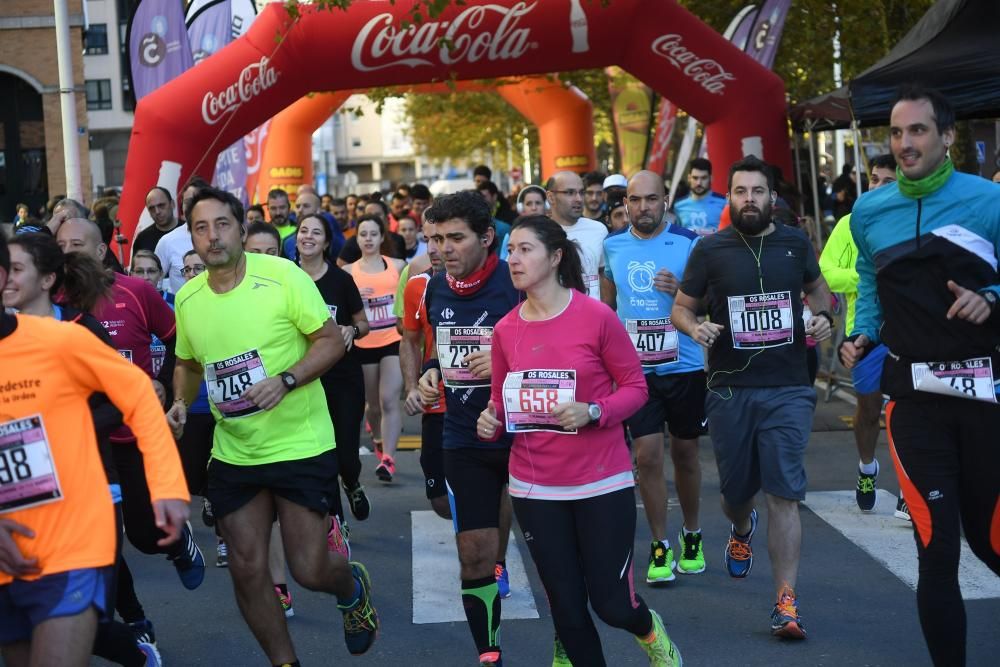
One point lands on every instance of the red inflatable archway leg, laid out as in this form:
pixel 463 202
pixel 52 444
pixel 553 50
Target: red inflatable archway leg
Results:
pixel 256 76
pixel 287 160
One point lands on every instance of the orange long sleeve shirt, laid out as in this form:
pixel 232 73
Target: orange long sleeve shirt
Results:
pixel 51 477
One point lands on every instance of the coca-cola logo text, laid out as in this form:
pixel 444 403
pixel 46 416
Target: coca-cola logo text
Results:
pixel 253 80
pixel 381 43
pixel 706 72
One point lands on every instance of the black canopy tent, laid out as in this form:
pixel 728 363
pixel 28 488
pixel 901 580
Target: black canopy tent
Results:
pixel 951 48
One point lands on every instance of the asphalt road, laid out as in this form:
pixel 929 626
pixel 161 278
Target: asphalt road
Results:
pixel 856 608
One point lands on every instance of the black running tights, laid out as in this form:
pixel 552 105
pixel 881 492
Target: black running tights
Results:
pixel 583 550
pixel 947 458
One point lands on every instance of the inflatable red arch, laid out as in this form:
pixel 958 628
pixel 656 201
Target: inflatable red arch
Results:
pixel 180 128
pixel 563 115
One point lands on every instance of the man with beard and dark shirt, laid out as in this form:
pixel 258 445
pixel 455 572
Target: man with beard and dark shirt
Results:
pixel 760 402
pixel 160 204
pixel 593 196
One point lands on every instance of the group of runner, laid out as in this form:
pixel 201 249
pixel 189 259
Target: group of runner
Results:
pixel 532 393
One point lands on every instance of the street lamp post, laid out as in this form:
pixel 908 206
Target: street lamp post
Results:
pixel 67 98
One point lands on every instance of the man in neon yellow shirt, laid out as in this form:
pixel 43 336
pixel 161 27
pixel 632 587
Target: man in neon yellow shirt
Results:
pixel 259 328
pixel 838 266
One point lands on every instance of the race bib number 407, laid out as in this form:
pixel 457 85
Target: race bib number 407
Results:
pixel 227 380
pixel 453 345
pixel 27 470
pixel 761 320
pixel 654 340
pixel 529 396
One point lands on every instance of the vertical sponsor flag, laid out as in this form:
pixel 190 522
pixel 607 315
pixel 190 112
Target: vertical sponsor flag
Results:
pixel 211 25
pixel 745 20
pixel 665 122
pixel 157 45
pixel 631 110
pixel 766 34
pixel 254 145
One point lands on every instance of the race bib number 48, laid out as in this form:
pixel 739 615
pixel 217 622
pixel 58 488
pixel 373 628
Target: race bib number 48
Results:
pixel 761 320
pixel 654 340
pixel 530 396
pixel 27 470
pixel 971 379
pixel 453 345
pixel 229 379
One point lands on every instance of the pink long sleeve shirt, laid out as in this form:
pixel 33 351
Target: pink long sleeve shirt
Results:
pixel 588 339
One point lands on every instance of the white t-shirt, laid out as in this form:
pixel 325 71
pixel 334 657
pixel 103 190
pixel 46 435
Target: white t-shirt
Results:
pixel 590 235
pixel 171 250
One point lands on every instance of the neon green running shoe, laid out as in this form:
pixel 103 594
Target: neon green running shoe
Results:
pixel 661 650
pixel 692 560
pixel 661 564
pixel 559 657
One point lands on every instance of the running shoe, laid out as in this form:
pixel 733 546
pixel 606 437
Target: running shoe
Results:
pixel 207 515
pixel 661 650
pixel 785 619
pixel 692 560
pixel 902 511
pixel 286 602
pixel 190 563
pixel 361 507
pixel 221 554
pixel 559 657
pixel 386 468
pixel 661 564
pixel 336 542
pixel 360 619
pixel 739 555
pixel 153 658
pixel 490 659
pixel 866 495
pixel 142 630
pixel 503 581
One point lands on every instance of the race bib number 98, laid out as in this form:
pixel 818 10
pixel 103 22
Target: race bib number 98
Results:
pixel 530 396
pixel 27 470
pixel 761 320
pixel 229 379
pixel 654 340
pixel 453 345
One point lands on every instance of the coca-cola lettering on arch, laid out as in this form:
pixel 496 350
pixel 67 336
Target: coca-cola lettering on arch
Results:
pixel 252 81
pixel 483 32
pixel 707 73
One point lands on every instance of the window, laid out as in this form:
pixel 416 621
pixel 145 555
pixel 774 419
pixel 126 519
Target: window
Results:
pixel 128 99
pixel 95 39
pixel 356 142
pixel 98 94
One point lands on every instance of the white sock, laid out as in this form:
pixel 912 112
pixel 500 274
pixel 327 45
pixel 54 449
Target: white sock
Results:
pixel 665 543
pixel 869 468
pixel 692 532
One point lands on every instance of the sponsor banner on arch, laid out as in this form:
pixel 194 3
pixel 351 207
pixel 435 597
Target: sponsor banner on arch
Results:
pixel 274 64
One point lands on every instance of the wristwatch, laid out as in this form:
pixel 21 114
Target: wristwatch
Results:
pixel 357 331
pixel 289 381
pixel 594 412
pixel 991 298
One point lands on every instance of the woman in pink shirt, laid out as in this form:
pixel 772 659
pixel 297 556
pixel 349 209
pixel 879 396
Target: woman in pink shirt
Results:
pixel 565 377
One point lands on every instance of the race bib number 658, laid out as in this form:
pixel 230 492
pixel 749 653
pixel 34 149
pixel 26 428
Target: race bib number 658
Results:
pixel 530 396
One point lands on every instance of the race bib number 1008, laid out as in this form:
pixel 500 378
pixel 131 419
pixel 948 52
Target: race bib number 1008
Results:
pixel 761 320
pixel 227 380
pixel 529 396
pixel 27 470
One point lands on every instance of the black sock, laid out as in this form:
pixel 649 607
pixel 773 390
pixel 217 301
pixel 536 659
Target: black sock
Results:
pixel 283 588
pixel 482 611
pixel 502 563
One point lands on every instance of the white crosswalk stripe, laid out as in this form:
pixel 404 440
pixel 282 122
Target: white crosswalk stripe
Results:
pixel 890 541
pixel 436 582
